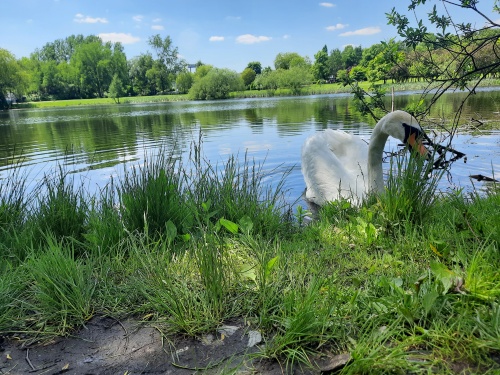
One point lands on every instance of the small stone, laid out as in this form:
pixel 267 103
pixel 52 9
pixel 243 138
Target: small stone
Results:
pixel 254 337
pixel 207 339
pixel 227 330
pixel 182 350
pixel 334 362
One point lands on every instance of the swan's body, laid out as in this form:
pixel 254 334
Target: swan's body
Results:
pixel 336 164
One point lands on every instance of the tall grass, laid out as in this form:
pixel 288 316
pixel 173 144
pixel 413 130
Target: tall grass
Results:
pixel 152 195
pixel 192 245
pixel 237 189
pixel 411 189
pixel 14 199
pixel 60 294
pixel 61 209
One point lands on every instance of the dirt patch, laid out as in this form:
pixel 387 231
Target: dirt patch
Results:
pixel 107 346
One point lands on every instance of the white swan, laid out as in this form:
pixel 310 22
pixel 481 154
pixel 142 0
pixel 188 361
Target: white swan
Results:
pixel 336 164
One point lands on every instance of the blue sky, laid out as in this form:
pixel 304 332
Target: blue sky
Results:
pixel 224 33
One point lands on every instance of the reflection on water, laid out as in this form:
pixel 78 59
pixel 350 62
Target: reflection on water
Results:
pixel 98 142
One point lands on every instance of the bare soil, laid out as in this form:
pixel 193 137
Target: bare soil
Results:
pixel 108 346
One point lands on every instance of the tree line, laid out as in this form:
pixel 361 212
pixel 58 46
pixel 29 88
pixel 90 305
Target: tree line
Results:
pixel 86 67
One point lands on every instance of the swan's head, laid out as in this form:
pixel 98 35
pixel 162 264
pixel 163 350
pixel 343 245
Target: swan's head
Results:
pixel 403 126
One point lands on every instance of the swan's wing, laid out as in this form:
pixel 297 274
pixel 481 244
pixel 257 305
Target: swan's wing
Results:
pixel 334 165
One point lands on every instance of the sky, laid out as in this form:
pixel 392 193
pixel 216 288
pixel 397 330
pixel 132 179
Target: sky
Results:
pixel 223 33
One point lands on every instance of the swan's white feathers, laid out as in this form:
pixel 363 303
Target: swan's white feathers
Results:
pixel 331 168
pixel 335 163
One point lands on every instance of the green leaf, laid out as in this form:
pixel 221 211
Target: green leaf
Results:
pixel 246 224
pixel 170 230
pixel 428 300
pixel 443 274
pixel 229 225
pixel 247 271
pixel 270 265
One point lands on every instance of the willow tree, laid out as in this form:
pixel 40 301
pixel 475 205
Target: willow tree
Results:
pixel 12 78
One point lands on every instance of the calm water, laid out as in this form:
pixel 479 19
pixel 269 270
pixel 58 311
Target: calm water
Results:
pixel 96 143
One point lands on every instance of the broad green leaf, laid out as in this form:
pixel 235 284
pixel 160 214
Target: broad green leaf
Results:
pixel 229 225
pixel 443 274
pixel 171 230
pixel 270 265
pixel 246 224
pixel 428 300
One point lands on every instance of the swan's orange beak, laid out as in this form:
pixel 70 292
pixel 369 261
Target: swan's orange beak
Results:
pixel 417 145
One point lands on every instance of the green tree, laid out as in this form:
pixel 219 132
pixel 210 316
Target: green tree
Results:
pixel 12 79
pixel 31 68
pixel 320 68
pixel 248 76
pixel 268 80
pixel 358 73
pixel 382 61
pixel 116 89
pixel 294 78
pixel 343 76
pixel 455 55
pixel 335 62
pixel 351 56
pixel 138 68
pixel 216 84
pixel 184 81
pixel 93 62
pixel 167 63
pixel 288 60
pixel 255 66
pixel 202 70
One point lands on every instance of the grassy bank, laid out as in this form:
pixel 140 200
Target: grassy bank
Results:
pixel 404 285
pixel 316 89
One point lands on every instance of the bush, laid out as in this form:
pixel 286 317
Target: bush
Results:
pixel 217 84
pixel 184 82
pixel 248 76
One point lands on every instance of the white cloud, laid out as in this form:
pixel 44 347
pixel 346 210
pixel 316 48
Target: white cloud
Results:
pixel 119 37
pixel 365 31
pixel 80 18
pixel 157 27
pixel 251 39
pixel 338 26
pixel 327 5
pixel 286 36
pixel 216 38
pixel 156 20
pixel 138 18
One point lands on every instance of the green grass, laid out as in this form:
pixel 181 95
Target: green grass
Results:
pixel 403 285
pixel 103 101
pixel 313 89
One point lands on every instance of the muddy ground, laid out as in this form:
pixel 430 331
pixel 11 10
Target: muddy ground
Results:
pixel 108 346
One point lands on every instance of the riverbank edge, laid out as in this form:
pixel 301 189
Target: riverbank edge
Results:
pixel 315 89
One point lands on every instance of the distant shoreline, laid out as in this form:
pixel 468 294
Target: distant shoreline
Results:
pixel 315 89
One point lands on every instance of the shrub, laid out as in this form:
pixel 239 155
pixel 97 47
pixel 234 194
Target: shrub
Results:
pixel 248 76
pixel 184 82
pixel 217 84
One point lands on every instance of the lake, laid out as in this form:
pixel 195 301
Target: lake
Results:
pixel 98 142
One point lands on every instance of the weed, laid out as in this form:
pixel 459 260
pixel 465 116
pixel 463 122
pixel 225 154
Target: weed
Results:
pixel 410 189
pixel 62 289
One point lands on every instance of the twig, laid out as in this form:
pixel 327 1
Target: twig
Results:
pixel 12 368
pixel 28 360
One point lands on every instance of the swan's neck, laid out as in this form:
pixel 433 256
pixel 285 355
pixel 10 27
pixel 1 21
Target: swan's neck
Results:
pixel 375 152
